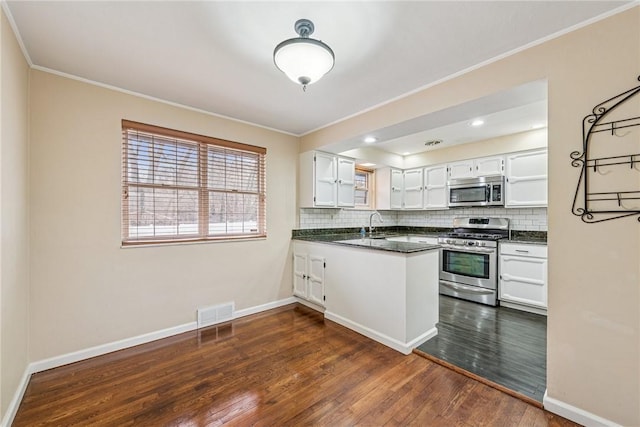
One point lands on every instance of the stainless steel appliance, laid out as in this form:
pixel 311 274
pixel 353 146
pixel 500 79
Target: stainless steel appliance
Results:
pixel 482 191
pixel 469 259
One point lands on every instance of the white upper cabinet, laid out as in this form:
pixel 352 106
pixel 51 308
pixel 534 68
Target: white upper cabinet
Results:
pixel 346 182
pixel 326 180
pixel 485 166
pixel 488 166
pixel 413 189
pixel 435 187
pixel 463 169
pixel 526 179
pixel 389 188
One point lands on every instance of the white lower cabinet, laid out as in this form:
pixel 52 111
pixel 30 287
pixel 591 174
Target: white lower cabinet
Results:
pixel 308 275
pixel 523 276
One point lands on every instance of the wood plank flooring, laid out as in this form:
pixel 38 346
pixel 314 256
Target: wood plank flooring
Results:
pixel 287 366
pixel 503 345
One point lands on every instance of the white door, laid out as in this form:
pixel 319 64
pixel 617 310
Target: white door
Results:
pixel 397 183
pixel 413 189
pixel 325 180
pixel 489 166
pixel 316 279
pixel 523 280
pixel 462 169
pixel 300 274
pixel 346 182
pixel 435 187
pixel 526 180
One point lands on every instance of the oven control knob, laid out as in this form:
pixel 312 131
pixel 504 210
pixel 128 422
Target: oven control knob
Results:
pixel 471 243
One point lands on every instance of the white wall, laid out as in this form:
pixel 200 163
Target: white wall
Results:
pixel 14 216
pixel 85 289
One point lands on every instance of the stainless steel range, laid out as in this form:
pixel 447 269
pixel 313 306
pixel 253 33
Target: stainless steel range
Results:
pixel 469 259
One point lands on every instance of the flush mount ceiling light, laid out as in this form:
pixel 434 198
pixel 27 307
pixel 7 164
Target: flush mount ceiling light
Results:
pixel 302 59
pixel 477 122
pixel 370 139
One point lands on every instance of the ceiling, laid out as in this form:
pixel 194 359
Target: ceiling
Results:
pixel 217 56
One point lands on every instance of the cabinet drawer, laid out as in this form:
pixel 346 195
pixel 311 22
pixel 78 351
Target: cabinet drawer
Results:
pixel 538 251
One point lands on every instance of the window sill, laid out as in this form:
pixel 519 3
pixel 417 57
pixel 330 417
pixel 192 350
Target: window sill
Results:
pixel 190 242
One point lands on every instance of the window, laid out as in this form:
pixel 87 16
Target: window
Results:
pixel 178 186
pixel 363 186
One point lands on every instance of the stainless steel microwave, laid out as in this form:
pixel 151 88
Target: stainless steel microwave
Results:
pixel 482 191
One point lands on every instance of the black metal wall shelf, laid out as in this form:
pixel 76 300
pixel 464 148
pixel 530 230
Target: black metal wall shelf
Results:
pixel 598 173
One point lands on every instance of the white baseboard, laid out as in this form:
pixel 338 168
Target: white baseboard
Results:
pixel 404 348
pixel 263 307
pixel 574 414
pixel 76 356
pixel 17 398
pixel 309 304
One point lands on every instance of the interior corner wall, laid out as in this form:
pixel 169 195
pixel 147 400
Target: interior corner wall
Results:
pixel 14 216
pixel 85 289
pixel 593 327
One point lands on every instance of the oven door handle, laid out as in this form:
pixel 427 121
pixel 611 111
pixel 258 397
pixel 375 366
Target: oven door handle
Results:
pixel 469 249
pixel 467 289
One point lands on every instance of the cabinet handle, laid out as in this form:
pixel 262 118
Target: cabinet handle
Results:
pixel 339 181
pixel 304 277
pixel 522 251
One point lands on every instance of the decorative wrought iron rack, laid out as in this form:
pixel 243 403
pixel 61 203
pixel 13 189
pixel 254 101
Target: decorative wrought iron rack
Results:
pixel 597 206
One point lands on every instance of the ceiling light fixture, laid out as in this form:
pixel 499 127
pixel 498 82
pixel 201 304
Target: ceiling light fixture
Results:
pixel 302 59
pixel 477 122
pixel 370 139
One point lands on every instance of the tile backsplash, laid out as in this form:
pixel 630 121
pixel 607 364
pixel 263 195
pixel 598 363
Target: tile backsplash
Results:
pixel 525 219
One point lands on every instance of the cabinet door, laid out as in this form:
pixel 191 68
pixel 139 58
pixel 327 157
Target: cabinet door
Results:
pixel 526 181
pixel 325 180
pixel 300 274
pixel 397 184
pixel 489 166
pixel 316 279
pixel 413 189
pixel 435 187
pixel 346 182
pixel 462 169
pixel 523 280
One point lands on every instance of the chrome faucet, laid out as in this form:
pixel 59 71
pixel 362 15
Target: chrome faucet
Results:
pixel 371 221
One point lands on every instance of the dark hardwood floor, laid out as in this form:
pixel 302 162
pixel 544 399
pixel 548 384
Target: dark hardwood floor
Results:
pixel 503 345
pixel 288 366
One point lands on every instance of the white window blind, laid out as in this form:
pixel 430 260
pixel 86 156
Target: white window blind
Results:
pixel 178 186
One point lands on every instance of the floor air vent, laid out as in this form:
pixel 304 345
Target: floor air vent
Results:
pixel 208 316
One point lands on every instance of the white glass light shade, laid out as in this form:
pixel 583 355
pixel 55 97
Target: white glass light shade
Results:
pixel 303 60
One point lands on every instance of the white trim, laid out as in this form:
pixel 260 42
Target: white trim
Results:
pixel 153 98
pixel 483 64
pixel 263 307
pixel 404 348
pixel 76 356
pixel 309 304
pixel 12 409
pixel 575 414
pixel 16 33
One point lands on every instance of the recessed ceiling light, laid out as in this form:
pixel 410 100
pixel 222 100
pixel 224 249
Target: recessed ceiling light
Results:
pixel 537 125
pixel 477 122
pixel 367 165
pixel 406 153
pixel 370 139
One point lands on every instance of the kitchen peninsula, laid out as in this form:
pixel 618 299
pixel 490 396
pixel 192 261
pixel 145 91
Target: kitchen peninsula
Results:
pixel 383 288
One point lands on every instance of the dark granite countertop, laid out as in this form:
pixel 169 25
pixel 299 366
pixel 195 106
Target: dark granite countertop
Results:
pixel 377 242
pixel 351 237
pixel 529 237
